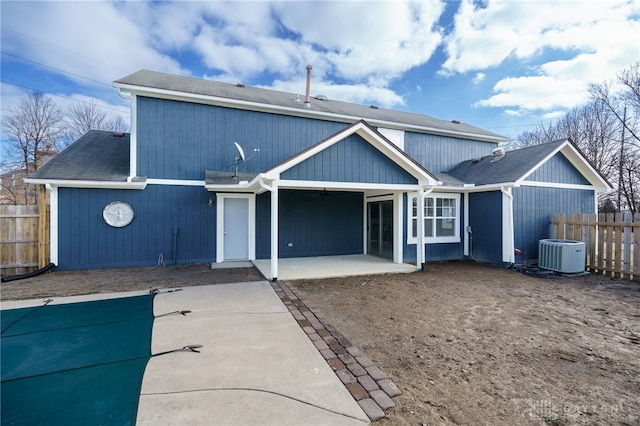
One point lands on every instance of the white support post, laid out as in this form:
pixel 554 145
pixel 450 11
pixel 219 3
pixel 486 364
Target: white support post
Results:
pixel 508 237
pixel 398 219
pixel 274 231
pixel 420 229
pixel 465 225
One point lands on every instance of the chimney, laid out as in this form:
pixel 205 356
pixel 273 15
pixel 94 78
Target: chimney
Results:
pixel 307 98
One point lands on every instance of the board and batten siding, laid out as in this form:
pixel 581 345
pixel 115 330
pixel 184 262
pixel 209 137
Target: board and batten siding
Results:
pixel 162 214
pixel 180 140
pixel 442 153
pixel 558 169
pixel 534 207
pixel 312 223
pixel 351 160
pixel 485 219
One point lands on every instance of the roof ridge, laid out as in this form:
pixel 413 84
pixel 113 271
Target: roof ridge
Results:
pixel 248 97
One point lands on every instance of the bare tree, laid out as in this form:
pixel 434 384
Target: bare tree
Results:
pixel 591 127
pixel 36 123
pixel 33 128
pixel 630 78
pixel 543 132
pixel 83 117
pixel 116 123
pixel 87 116
pixel 607 133
pixel 625 106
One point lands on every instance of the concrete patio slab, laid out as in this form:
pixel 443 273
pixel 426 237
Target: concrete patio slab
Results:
pixel 256 366
pixel 332 266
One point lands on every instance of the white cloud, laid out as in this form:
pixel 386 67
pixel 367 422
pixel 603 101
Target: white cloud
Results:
pixel 514 113
pixel 539 92
pixel 367 41
pixel 478 78
pixel 366 45
pixel 593 38
pixel 356 93
pixel 84 38
pixel 553 115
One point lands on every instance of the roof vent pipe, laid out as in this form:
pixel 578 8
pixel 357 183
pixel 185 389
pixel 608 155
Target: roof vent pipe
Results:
pixel 307 98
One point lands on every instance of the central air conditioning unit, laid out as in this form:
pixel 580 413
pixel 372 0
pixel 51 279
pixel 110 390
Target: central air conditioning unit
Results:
pixel 565 256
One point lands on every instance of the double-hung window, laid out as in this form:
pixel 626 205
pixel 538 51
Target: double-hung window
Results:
pixel 441 218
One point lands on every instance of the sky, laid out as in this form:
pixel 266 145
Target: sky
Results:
pixel 504 66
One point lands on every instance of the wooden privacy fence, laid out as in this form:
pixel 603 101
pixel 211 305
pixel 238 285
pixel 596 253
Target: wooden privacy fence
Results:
pixel 612 240
pixel 24 244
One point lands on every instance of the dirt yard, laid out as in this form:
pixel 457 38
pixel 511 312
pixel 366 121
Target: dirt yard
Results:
pixel 467 344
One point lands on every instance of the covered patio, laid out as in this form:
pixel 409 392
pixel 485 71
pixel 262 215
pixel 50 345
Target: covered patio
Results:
pixel 331 266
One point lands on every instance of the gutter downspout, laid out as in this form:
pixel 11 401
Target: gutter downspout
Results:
pixel 508 254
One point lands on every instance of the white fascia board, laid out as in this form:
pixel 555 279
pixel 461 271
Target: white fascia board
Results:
pixel 544 160
pixel 89 184
pixel 478 188
pixel 395 154
pixel 275 172
pixel 389 150
pixel 585 168
pixel 175 182
pixel 578 161
pixel 298 112
pixel 557 185
pixel 346 186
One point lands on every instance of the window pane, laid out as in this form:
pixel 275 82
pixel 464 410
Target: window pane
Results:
pixel 414 209
pixel 414 228
pixel 428 207
pixel 445 227
pixel 446 207
pixel 428 227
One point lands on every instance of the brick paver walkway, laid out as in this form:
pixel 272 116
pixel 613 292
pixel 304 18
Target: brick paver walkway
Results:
pixel 368 385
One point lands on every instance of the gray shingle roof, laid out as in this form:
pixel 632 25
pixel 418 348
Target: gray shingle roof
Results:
pixel 514 165
pixel 162 81
pixel 96 156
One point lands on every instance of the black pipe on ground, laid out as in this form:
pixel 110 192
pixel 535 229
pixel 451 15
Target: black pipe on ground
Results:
pixel 27 275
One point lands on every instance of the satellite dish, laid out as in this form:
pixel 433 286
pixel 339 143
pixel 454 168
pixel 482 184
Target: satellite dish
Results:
pixel 240 151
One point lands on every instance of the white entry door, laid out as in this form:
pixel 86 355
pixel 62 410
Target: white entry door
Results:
pixel 235 230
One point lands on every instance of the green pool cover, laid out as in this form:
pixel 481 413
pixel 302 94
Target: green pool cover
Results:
pixel 75 364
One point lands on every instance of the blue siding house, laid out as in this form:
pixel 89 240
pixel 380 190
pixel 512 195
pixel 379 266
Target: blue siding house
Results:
pixel 216 172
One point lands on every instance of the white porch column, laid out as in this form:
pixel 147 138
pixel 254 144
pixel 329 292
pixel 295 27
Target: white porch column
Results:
pixel 508 237
pixel 274 231
pixel 420 229
pixel 465 224
pixel 398 224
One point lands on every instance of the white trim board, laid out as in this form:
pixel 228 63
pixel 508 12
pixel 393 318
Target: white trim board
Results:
pixel 556 185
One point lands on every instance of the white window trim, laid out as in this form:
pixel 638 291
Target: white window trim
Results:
pixel 433 240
